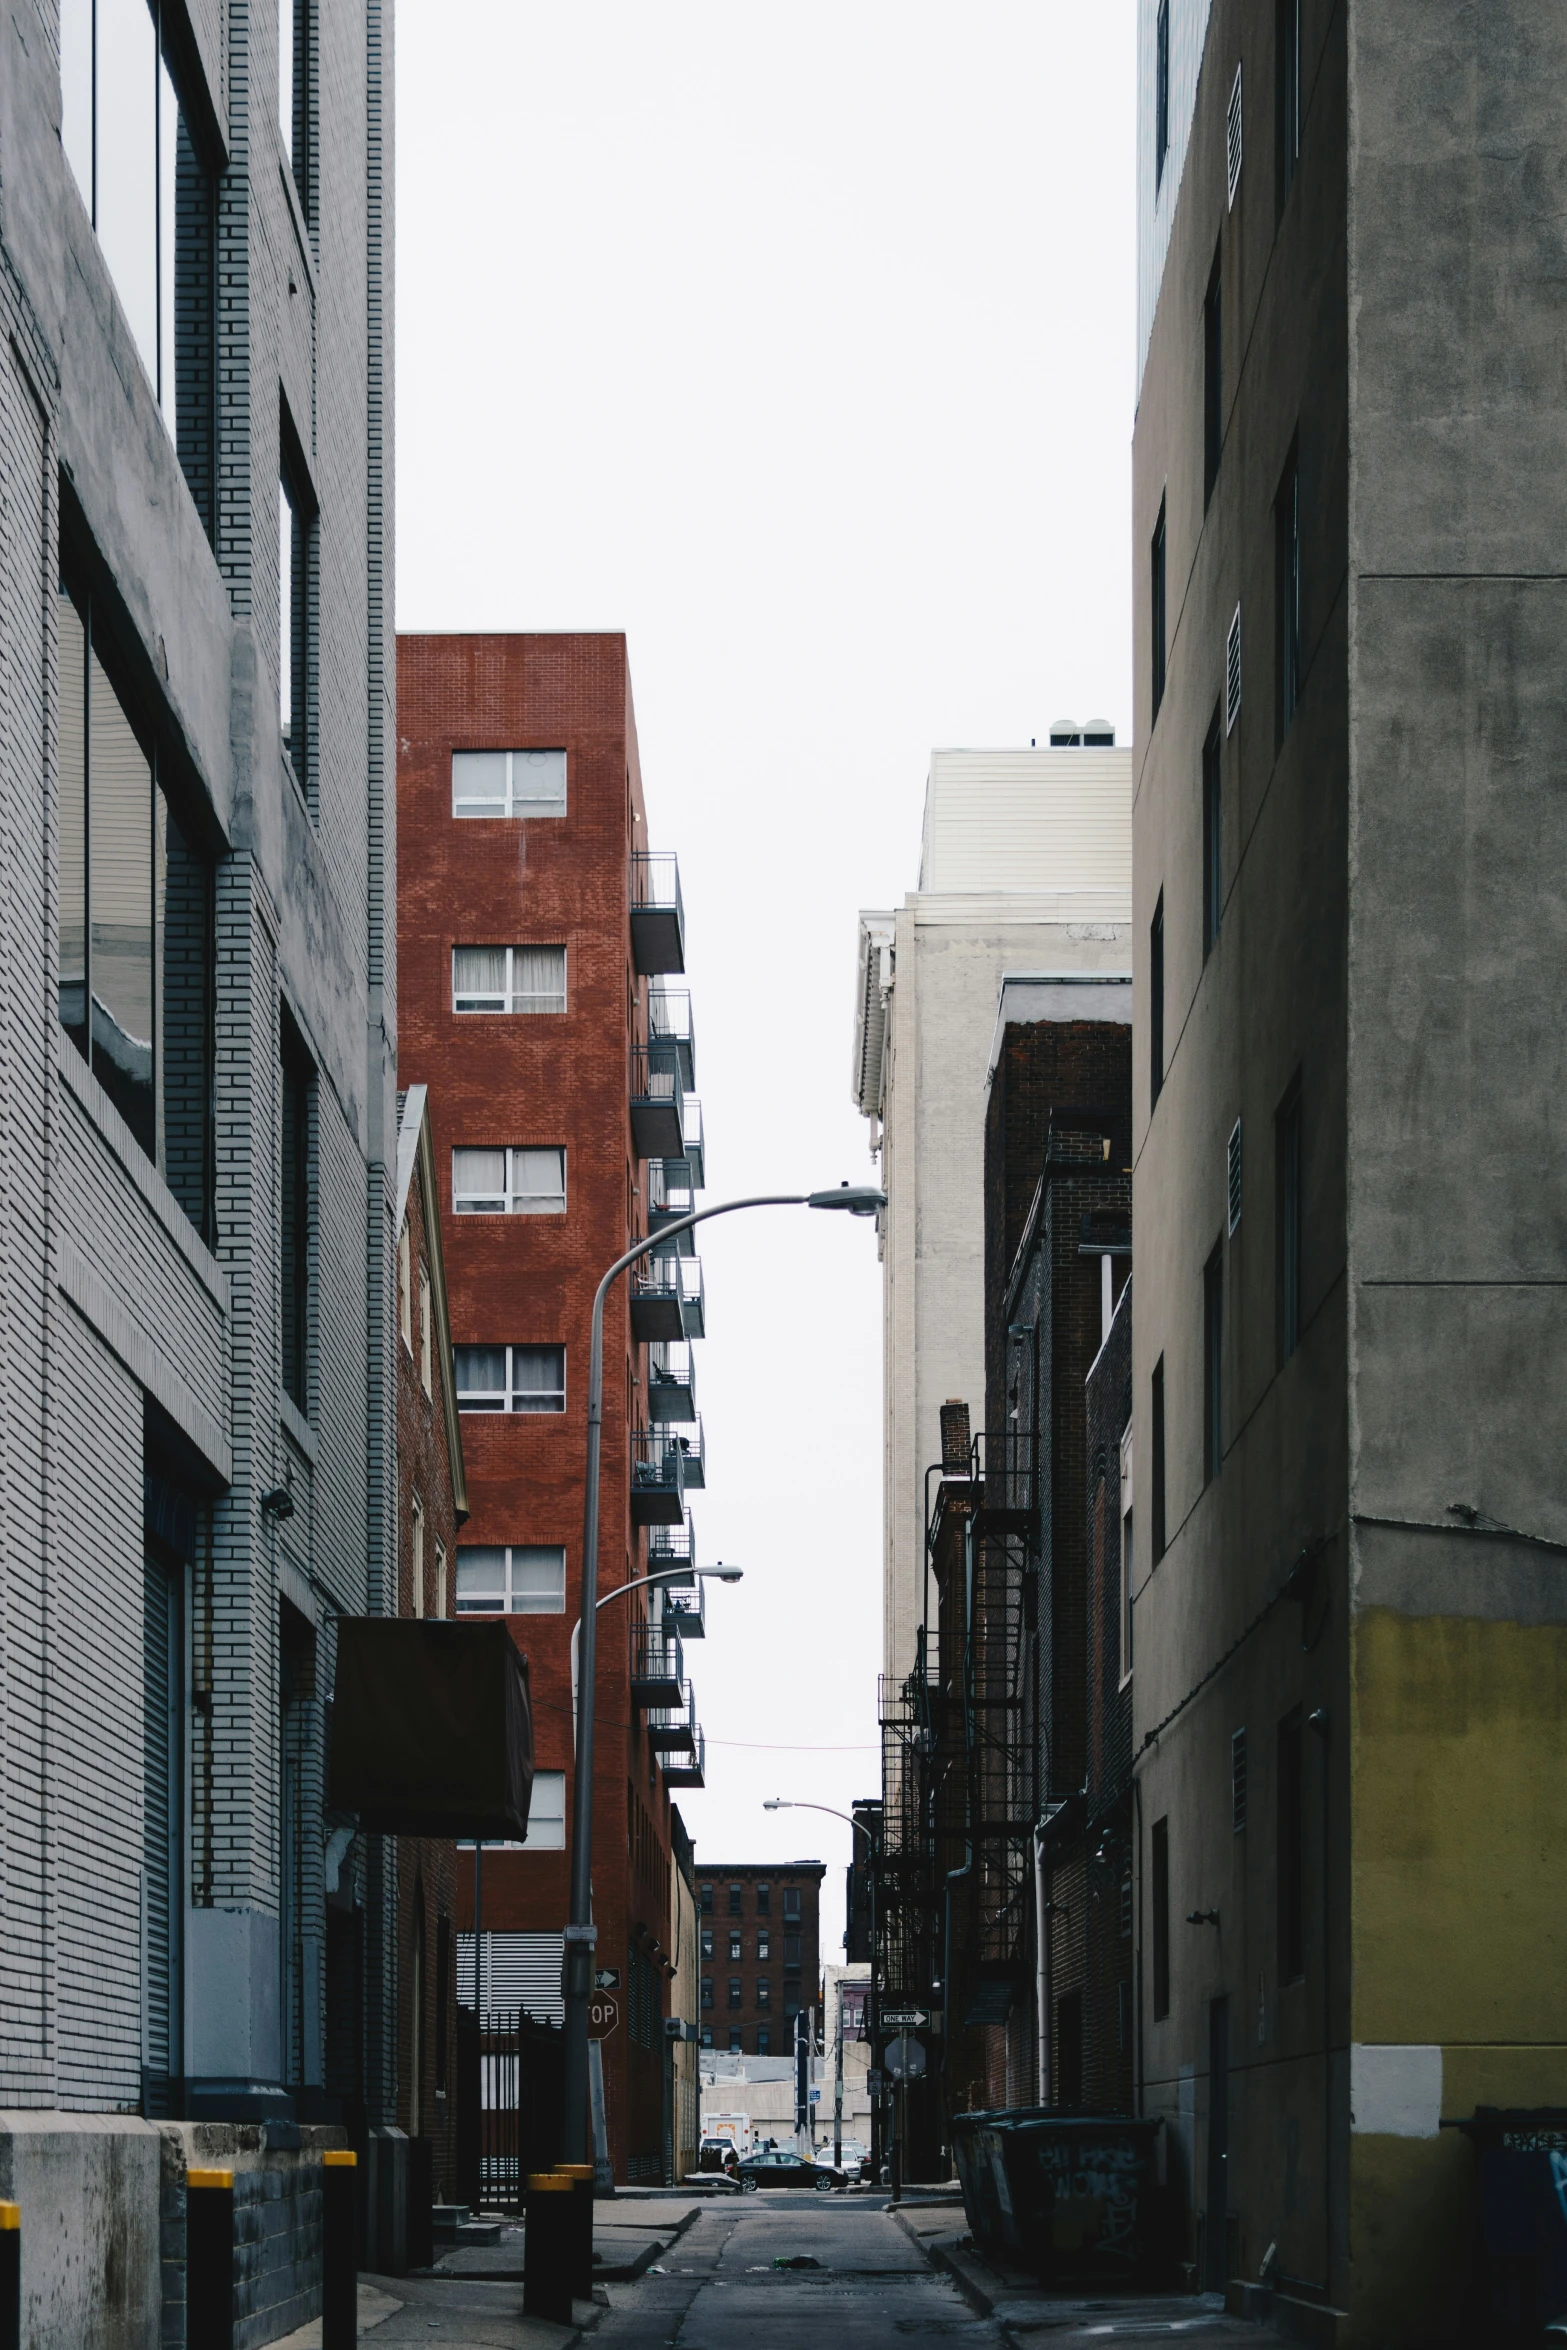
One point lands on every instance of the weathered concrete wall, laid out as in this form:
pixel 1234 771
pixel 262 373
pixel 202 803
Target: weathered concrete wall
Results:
pixel 87 2185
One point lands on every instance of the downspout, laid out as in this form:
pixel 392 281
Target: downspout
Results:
pixel 954 1875
pixel 1041 1964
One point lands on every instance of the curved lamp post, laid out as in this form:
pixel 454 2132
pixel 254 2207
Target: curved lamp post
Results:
pixel 861 1199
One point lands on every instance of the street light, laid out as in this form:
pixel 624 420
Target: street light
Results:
pixel 718 1574
pixel 857 1199
pixel 786 1803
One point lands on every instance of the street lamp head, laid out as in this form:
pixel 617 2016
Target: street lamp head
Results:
pixel 721 1573
pixel 860 1199
pixel 775 1803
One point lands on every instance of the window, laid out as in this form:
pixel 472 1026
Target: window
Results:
pixel 764 2041
pixel 1287 1164
pixel 707 2034
pixel 508 979
pixel 1212 838
pixel 135 922
pixel 293 91
pixel 508 783
pixel 405 1308
pixel 297 1206
pixel 1287 88
pixel 764 1943
pixel 707 1941
pixel 764 1900
pixel 416 1554
pixel 734 1901
pixel 1156 609
pixel 1291 1849
pixel 1286 574
pixel 791 2006
pixel 791 1953
pixel 764 1991
pixel 149 198
pixel 547 1813
pixel 707 1900
pixel 1156 1447
pixel 734 1991
pixel 1156 1005
pixel 707 2001
pixel 1161 100
pixel 296 600
pixel 1232 673
pixel 1238 1782
pixel 1234 124
pixel 735 1952
pixel 511 1378
pixel 425 1312
pixel 1213 1365
pixel 1125 1579
pixel 497 1579
pixel 440 1579
pixel 791 1901
pixel 1212 379
pixel 1159 1891
pixel 1232 1178
pixel 508 1182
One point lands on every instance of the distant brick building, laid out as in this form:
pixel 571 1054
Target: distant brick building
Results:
pixel 1109 1993
pixel 536 931
pixel 760 1928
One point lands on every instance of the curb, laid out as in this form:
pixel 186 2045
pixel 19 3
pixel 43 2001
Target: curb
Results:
pixel 625 2273
pixel 942 2259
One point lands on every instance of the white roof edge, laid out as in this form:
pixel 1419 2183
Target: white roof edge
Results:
pixel 1045 979
pixel 408 1146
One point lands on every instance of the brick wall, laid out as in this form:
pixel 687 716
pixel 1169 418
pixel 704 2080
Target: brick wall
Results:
pixel 752 2014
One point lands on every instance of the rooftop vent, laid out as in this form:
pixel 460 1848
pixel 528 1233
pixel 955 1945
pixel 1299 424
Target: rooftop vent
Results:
pixel 1065 734
pixel 1093 734
pixel 1098 734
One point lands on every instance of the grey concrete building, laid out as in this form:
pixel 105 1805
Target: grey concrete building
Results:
pixel 1350 477
pixel 197 1124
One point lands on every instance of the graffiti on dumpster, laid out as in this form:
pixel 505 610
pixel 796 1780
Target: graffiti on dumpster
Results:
pixel 1094 2195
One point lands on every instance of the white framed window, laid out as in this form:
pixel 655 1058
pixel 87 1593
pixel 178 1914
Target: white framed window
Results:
pixel 511 1378
pixel 508 979
pixel 508 1182
pixel 426 1316
pixel 508 783
pixel 546 1826
pixel 405 1296
pixel 416 1553
pixel 1124 1576
pixel 511 1579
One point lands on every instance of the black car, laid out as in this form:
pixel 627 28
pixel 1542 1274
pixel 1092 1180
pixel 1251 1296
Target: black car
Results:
pixel 775 2168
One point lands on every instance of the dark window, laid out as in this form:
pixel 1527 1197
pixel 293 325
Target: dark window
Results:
pixel 707 1941
pixel 1069 2049
pixel 1156 1005
pixel 1287 1154
pixel 1238 1782
pixel 1213 1365
pixel 295 46
pixel 764 1991
pixel 296 614
pixel 135 921
pixel 1212 835
pixel 734 1991
pixel 1287 84
pixel 1212 380
pixel 764 2041
pixel 1156 1498
pixel 764 1900
pixel 1159 1890
pixel 1286 573
pixel 1161 101
pixel 764 1944
pixel 735 1952
pixel 707 2035
pixel 734 1901
pixel 791 1901
pixel 1156 582
pixel 735 2038
pixel 298 1103
pixel 707 1900
pixel 791 1954
pixel 1291 1843
pixel 443 1979
pixel 707 1990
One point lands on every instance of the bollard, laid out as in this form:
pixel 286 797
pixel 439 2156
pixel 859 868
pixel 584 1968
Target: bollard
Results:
pixel 10 2276
pixel 547 2248
pixel 339 2262
pixel 209 2259
pixel 581 2225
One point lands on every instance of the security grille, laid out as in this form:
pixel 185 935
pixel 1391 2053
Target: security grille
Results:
pixel 1232 138
pixel 1232 673
pixel 1235 1174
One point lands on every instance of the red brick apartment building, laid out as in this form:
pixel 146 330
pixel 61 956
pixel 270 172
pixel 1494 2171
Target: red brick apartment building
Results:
pixel 538 936
pixel 759 1925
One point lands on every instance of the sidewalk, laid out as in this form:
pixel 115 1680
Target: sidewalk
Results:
pixel 630 2232
pixel 395 2312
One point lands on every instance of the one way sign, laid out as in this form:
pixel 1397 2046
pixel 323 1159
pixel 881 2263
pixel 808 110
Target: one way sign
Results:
pixel 606 1978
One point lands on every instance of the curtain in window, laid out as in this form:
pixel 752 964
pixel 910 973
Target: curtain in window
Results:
pixel 478 1182
pixel 479 973
pixel 538 1181
pixel 538 979
pixel 481 1378
pixel 538 1378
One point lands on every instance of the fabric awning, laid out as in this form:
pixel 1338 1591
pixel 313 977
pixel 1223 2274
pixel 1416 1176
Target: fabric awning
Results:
pixel 432 1728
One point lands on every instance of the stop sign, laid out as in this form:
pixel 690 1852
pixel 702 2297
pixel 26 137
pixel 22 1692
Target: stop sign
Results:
pixel 603 2015
pixel 905 2058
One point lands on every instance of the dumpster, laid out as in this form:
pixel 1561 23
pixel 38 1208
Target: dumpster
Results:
pixel 1070 2195
pixel 1520 2269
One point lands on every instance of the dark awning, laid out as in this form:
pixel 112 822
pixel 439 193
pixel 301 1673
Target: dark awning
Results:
pixel 432 1729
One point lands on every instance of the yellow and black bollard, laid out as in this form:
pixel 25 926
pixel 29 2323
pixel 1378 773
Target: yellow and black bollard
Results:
pixel 209 2260
pixel 10 2276
pixel 581 2224
pixel 547 2247
pixel 339 2254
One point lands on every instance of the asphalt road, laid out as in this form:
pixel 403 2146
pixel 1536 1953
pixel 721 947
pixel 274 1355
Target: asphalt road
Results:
pixel 721 2290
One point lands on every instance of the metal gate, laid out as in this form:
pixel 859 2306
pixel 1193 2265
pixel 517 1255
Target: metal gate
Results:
pixel 511 2093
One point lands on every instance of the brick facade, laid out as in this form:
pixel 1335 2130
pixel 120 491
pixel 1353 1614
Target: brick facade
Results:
pixel 748 1902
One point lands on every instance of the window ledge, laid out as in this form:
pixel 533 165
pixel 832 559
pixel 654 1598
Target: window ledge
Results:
pixel 294 1424
pixel 112 1127
pixel 301 225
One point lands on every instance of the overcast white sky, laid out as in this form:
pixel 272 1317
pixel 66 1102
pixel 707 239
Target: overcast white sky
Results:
pixel 797 342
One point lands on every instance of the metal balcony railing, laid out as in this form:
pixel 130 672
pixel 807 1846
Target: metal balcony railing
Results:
pixel 658 1478
pixel 691 1131
pixel 692 1440
pixel 671 1729
pixel 669 1021
pixel 670 1196
pixel 687 1770
pixel 671 1545
pixel 685 1609
pixel 671 1382
pixel 668 1301
pixel 658 918
pixel 657 1669
pixel 657 1101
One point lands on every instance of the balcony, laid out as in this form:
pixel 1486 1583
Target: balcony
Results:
pixel 685 1609
pixel 658 1478
pixel 694 1453
pixel 669 1021
pixel 691 1132
pixel 656 1673
pixel 667 1299
pixel 687 1770
pixel 671 1729
pixel 671 1383
pixel 669 1197
pixel 671 1545
pixel 657 1102
pixel 658 919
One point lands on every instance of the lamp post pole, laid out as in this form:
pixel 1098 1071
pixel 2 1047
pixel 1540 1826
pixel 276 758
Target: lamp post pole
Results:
pixel 581 1935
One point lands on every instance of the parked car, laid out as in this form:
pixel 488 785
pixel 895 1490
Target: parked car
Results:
pixel 776 2168
pixel 856 2159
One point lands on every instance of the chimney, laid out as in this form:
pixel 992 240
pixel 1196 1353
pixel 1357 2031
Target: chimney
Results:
pixel 954 1437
